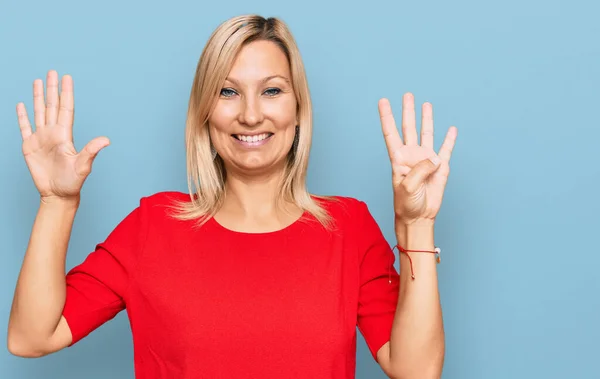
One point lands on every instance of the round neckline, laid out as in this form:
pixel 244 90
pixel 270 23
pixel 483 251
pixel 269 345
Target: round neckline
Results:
pixel 285 229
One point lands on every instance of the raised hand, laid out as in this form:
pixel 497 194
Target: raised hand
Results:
pixel 419 175
pixel 57 169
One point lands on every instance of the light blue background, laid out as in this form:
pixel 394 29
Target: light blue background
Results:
pixel 519 278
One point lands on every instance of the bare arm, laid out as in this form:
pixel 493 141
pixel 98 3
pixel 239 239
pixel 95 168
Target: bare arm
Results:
pixel 419 175
pixel 418 331
pixel 36 326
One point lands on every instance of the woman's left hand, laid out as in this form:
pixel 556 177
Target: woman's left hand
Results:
pixel 419 175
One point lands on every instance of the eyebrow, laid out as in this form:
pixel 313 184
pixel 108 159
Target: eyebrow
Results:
pixel 264 80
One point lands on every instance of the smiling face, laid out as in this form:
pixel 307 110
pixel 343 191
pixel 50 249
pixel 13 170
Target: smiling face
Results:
pixel 254 121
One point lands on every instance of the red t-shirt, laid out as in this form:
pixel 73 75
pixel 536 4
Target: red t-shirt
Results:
pixel 213 303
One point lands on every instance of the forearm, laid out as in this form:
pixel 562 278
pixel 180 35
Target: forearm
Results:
pixel 40 292
pixel 417 340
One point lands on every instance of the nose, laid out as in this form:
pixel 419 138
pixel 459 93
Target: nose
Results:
pixel 250 112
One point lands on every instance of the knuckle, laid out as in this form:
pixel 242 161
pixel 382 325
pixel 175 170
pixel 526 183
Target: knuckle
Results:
pixel 406 185
pixel 83 172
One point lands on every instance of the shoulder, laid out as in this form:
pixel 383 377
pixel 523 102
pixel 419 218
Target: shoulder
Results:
pixel 339 203
pixel 343 207
pixel 352 218
pixel 164 199
pixel 161 204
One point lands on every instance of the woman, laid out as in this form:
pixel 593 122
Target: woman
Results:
pixel 248 275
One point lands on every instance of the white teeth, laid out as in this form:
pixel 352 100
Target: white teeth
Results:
pixel 255 138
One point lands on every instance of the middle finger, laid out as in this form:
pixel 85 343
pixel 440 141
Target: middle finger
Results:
pixel 39 108
pixel 52 98
pixel 409 128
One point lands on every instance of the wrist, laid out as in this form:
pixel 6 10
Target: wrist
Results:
pixel 416 235
pixel 415 222
pixel 66 203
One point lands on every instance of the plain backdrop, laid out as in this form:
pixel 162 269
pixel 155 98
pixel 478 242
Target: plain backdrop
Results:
pixel 518 226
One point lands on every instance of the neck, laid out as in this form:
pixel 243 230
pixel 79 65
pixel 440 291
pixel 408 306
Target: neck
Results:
pixel 256 193
pixel 251 196
pixel 251 205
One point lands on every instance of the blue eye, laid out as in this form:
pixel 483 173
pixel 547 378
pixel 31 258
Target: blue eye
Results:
pixel 227 92
pixel 272 91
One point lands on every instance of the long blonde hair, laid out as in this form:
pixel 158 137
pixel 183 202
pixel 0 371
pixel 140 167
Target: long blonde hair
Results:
pixel 206 176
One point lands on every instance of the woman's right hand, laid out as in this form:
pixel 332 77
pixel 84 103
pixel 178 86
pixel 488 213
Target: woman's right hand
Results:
pixel 57 169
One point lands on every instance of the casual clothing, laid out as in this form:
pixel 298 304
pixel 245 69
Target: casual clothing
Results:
pixel 209 302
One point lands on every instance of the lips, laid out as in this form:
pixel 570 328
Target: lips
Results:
pixel 252 138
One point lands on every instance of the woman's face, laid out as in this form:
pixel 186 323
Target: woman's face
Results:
pixel 254 122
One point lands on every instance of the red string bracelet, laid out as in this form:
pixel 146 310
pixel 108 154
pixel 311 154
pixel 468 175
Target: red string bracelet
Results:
pixel 402 250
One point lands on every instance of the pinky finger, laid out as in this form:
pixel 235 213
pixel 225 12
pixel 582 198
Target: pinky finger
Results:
pixel 448 144
pixel 24 123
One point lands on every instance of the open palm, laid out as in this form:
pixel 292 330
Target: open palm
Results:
pixel 57 169
pixel 419 175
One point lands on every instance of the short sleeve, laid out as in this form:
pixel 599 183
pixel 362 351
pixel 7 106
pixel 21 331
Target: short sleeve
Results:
pixel 97 288
pixel 378 297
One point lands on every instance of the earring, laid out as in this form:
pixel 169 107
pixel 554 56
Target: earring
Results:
pixel 296 139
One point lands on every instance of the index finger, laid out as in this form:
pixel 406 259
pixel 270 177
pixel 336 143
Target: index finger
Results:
pixel 388 126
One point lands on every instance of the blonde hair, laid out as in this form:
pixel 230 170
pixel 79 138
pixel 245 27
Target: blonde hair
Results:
pixel 206 176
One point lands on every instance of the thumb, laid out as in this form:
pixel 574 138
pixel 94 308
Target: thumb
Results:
pixel 419 173
pixel 83 165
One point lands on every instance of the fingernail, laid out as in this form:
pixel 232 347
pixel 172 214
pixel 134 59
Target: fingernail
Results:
pixel 435 160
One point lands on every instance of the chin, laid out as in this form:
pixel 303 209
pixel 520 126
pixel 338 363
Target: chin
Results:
pixel 258 164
